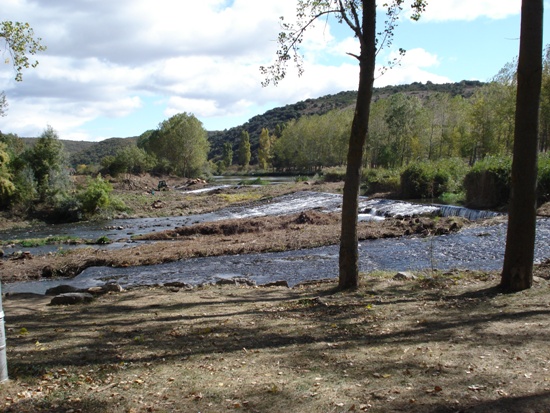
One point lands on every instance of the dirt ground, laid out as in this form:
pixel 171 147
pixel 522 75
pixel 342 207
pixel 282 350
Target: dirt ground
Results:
pixel 442 342
pixel 439 343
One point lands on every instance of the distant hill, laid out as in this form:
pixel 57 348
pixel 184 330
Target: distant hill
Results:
pixel 98 150
pixel 71 147
pixel 88 153
pixel 322 105
pixel 81 152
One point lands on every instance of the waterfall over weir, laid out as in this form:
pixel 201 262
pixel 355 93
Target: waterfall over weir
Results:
pixel 471 214
pixel 386 208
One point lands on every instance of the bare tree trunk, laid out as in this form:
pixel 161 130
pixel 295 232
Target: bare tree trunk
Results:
pixel 349 254
pixel 517 271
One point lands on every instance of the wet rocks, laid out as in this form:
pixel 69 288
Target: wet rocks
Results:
pixel 177 284
pixel 236 281
pixel 280 283
pixel 61 289
pixel 99 290
pixel 21 255
pixel 72 298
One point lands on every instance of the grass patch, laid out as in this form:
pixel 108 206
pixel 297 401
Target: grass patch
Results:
pixel 40 242
pixel 256 181
pixel 240 197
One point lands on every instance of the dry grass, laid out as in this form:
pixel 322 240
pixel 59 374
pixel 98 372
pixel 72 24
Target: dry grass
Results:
pixel 444 343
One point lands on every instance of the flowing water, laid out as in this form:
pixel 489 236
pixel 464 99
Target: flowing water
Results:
pixel 472 248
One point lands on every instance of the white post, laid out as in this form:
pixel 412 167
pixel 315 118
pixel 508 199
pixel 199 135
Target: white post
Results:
pixel 3 359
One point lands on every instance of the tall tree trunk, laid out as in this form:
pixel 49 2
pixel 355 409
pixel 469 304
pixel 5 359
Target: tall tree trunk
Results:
pixel 517 272
pixel 349 254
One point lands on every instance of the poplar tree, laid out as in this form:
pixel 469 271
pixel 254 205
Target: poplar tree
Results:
pixel 360 17
pixel 244 149
pixel 264 150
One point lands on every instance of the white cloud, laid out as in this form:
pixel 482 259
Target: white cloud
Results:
pixel 107 59
pixel 413 67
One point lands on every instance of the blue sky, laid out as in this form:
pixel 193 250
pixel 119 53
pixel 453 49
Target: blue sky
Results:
pixel 119 68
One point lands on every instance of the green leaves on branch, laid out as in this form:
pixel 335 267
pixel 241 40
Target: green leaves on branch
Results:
pixel 344 11
pixel 20 43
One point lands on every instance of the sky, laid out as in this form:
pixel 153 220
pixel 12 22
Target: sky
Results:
pixel 119 68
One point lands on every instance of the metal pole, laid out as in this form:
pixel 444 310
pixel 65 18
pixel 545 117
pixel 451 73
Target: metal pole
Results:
pixel 3 359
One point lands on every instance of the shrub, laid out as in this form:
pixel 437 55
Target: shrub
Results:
pixel 334 175
pixel 487 185
pixel 97 195
pixel 381 180
pixel 423 180
pixel 543 183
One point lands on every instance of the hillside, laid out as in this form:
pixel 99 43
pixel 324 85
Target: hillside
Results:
pixel 324 104
pixel 81 152
pixel 71 147
pixel 95 153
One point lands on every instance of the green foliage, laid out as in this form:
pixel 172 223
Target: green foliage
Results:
pixel 487 185
pixel 227 157
pixel 433 179
pixel 314 142
pixel 95 196
pixel 7 187
pixel 491 119
pixel 40 242
pixel 423 180
pixel 103 240
pixel 244 149
pixel 48 163
pixel 543 183
pixel 182 141
pixel 381 180
pixel 20 42
pixel 92 153
pixel 264 151
pixel 129 159
pixel 334 175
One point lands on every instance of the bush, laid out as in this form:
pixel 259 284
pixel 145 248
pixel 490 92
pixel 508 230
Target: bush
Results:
pixel 97 195
pixel 487 185
pixel 543 183
pixel 424 180
pixel 334 175
pixel 381 180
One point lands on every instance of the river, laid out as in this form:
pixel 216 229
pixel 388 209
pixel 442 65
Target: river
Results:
pixel 472 248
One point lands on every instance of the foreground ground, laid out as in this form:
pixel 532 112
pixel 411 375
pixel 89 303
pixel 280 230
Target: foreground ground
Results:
pixel 440 343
